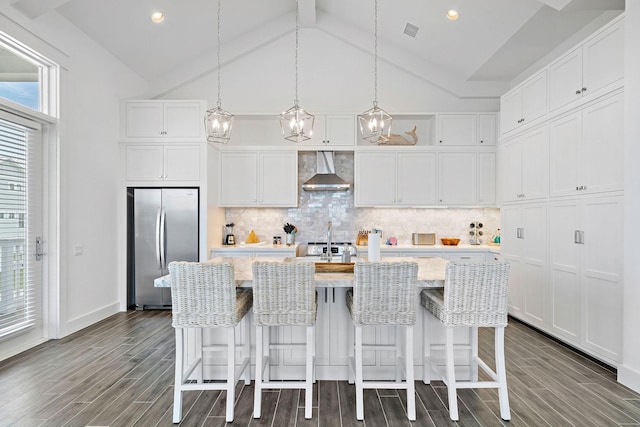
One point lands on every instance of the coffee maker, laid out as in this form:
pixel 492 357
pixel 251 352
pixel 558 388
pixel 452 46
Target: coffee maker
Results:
pixel 229 238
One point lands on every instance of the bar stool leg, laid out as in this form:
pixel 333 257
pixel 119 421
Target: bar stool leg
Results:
pixel 398 334
pixel 358 374
pixel 451 376
pixel 231 372
pixel 426 347
pixel 501 372
pixel 257 396
pixel 246 350
pixel 308 395
pixel 177 391
pixel 199 343
pixel 473 331
pixel 351 358
pixel 411 392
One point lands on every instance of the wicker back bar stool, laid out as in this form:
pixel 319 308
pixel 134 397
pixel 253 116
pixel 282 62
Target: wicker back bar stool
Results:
pixel 474 295
pixel 284 295
pixel 205 296
pixel 384 293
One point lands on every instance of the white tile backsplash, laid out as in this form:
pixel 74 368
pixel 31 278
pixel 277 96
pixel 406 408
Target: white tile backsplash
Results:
pixel 315 209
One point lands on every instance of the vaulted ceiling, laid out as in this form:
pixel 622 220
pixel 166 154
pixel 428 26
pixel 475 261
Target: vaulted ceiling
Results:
pixel 492 41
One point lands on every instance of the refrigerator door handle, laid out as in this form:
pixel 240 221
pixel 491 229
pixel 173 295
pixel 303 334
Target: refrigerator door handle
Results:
pixel 163 243
pixel 158 250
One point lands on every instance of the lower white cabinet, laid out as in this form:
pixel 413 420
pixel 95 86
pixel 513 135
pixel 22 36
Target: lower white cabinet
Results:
pixel 462 256
pixel 585 240
pixel 254 178
pixel 524 247
pixel 162 162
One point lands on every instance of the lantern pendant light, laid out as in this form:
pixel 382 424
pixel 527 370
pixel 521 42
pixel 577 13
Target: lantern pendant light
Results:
pixel 218 122
pixel 375 123
pixel 296 123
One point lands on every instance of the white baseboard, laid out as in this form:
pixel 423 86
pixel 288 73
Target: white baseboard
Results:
pixel 629 377
pixel 88 319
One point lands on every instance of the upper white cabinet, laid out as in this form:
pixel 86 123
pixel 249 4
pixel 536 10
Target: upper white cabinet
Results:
pixel 457 174
pixel 525 166
pixel 586 149
pixel 487 179
pixel 162 120
pixel 395 179
pixel 332 130
pixel 525 103
pixel 258 179
pixel 596 64
pixel 162 162
pixel 467 129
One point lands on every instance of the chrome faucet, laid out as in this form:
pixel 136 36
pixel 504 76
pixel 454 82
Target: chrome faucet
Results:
pixel 329 242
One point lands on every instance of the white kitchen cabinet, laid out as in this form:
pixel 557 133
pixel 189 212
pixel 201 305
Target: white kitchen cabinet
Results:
pixel 586 273
pixel 587 149
pixel 163 120
pixel 525 103
pixel 162 162
pixel 487 129
pixel 395 179
pixel 525 166
pixel 332 131
pixel 457 174
pixel 487 179
pixel 462 256
pixel 595 65
pixel 457 129
pixel 253 178
pixel 524 247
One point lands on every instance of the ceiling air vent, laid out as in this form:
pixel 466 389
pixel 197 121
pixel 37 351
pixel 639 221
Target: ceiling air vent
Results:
pixel 411 30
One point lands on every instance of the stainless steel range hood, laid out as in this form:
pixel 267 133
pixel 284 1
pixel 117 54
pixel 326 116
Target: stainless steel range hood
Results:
pixel 325 178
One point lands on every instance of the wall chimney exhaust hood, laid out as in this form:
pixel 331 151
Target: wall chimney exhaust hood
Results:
pixel 325 178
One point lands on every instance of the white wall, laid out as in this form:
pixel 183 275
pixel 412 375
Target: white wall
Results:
pixel 333 77
pixel 92 82
pixel 629 372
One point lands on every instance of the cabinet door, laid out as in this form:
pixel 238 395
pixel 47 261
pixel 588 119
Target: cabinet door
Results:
pixel 457 174
pixel 510 251
pixel 278 183
pixel 603 146
pixel 601 280
pixel 565 79
pixel 457 129
pixel 603 59
pixel 183 119
pixel 535 161
pixel 487 179
pixel 238 179
pixel 512 170
pixel 144 163
pixel 375 179
pixel 534 97
pixel 511 110
pixel 564 268
pixel 565 137
pixel 182 163
pixel 416 179
pixel 534 263
pixel 487 129
pixel 340 129
pixel 144 119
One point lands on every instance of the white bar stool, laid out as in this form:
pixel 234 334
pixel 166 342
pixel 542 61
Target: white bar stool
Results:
pixel 384 293
pixel 284 295
pixel 474 295
pixel 205 296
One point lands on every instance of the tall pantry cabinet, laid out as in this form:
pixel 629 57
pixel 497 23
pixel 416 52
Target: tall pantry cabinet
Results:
pixel 562 198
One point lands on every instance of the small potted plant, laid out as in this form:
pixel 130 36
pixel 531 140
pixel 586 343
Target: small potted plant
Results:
pixel 290 232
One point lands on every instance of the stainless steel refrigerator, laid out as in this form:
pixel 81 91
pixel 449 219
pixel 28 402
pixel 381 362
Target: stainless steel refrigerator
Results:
pixel 162 227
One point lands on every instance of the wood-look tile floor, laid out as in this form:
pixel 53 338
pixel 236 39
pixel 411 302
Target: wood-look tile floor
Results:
pixel 119 372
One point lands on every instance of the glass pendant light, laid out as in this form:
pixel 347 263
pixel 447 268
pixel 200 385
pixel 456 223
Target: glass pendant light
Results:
pixel 375 123
pixel 218 122
pixel 296 123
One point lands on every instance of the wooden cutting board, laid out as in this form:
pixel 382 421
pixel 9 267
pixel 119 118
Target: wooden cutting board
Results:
pixel 334 267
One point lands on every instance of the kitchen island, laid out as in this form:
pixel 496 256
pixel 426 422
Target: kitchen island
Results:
pixel 334 325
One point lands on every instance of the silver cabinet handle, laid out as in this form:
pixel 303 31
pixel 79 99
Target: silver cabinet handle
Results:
pixel 578 92
pixel 578 237
pixel 520 233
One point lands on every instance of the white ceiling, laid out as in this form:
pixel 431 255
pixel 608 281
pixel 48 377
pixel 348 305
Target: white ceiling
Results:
pixel 494 40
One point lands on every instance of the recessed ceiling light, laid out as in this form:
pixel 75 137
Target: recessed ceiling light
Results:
pixel 157 17
pixel 411 30
pixel 452 14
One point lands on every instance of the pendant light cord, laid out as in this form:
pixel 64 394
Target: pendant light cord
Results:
pixel 219 99
pixel 296 56
pixel 375 55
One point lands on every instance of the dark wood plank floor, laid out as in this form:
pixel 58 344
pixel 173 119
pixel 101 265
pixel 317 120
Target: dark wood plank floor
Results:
pixel 119 372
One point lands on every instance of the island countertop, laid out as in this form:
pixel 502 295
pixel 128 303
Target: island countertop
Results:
pixel 431 271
